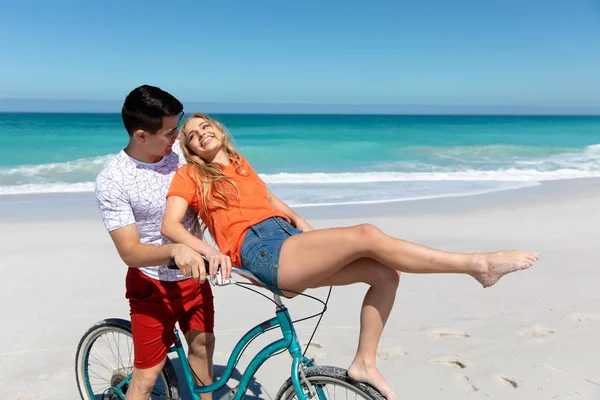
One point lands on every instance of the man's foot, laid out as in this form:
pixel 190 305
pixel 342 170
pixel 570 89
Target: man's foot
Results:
pixel 494 266
pixel 372 376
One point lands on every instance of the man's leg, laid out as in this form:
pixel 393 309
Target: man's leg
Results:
pixel 143 381
pixel 201 349
pixel 152 322
pixel 197 324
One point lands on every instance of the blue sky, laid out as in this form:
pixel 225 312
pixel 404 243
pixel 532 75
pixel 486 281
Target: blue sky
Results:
pixel 426 52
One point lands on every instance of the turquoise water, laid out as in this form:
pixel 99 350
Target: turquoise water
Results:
pixel 317 159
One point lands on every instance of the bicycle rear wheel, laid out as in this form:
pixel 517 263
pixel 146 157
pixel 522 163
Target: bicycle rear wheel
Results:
pixel 105 359
pixel 334 383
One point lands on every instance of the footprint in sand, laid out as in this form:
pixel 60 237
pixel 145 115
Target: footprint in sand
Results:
pixel 511 382
pixel 444 334
pixel 470 383
pixel 585 317
pixel 455 362
pixel 391 353
pixel 537 331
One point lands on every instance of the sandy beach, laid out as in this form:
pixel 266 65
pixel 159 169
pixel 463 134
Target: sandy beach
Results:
pixel 535 335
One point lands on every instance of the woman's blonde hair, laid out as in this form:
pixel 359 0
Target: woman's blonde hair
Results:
pixel 211 183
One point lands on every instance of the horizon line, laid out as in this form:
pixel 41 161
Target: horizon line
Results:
pixel 33 105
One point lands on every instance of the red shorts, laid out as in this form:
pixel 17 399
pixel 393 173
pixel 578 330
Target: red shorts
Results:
pixel 156 306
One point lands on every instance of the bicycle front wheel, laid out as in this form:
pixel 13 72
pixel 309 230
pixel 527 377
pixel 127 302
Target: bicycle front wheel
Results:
pixel 104 360
pixel 332 382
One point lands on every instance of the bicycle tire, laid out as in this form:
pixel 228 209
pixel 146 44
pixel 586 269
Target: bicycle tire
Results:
pixel 168 374
pixel 325 374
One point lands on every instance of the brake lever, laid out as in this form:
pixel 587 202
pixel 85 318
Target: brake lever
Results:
pixel 218 279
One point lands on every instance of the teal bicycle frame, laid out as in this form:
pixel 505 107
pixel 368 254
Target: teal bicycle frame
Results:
pixel 289 342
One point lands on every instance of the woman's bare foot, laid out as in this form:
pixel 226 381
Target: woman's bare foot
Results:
pixel 371 375
pixel 494 266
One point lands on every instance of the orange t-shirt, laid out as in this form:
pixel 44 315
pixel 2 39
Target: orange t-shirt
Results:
pixel 228 227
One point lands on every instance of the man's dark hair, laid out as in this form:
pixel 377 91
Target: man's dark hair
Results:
pixel 145 107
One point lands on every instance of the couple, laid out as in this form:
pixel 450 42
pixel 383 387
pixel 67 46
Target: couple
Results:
pixel 154 193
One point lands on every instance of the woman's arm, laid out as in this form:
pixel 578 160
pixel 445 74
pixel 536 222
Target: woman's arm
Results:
pixel 173 229
pixel 297 220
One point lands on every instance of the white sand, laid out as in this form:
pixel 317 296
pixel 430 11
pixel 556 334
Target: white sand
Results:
pixel 535 335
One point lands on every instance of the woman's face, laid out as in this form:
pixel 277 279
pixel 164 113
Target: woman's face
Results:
pixel 203 138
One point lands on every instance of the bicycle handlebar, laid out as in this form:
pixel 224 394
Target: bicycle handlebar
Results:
pixel 173 265
pixel 239 271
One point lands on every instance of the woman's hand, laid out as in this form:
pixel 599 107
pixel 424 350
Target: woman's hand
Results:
pixel 303 225
pixel 215 259
pixel 294 218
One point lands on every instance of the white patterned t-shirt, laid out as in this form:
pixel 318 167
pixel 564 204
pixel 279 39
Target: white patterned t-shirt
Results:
pixel 129 191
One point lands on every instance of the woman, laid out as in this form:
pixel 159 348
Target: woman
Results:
pixel 257 231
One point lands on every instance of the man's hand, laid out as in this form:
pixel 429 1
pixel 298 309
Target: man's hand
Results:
pixel 190 262
pixel 215 259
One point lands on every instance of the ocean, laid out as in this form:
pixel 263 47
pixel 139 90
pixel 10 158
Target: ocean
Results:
pixel 315 160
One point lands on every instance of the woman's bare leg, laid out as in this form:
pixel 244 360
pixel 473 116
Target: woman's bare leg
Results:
pixel 376 308
pixel 321 257
pixel 312 256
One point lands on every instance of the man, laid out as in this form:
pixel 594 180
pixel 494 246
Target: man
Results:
pixel 131 194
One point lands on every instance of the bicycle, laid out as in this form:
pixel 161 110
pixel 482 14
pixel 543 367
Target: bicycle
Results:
pixel 307 380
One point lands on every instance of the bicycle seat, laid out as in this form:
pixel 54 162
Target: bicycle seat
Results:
pixel 248 275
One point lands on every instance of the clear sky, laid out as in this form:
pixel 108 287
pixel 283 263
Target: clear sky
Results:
pixel 418 52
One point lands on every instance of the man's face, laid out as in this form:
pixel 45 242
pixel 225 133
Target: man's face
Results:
pixel 161 143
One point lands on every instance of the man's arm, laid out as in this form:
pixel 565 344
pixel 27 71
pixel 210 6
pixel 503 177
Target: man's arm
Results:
pixel 296 219
pixel 137 255
pixel 119 220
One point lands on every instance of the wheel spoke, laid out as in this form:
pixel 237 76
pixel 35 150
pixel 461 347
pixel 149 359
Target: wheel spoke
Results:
pixel 120 360
pixel 119 363
pixel 102 386
pixel 109 349
pixel 96 375
pixel 98 362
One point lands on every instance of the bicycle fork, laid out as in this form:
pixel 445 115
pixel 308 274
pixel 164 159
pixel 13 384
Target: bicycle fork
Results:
pixel 299 362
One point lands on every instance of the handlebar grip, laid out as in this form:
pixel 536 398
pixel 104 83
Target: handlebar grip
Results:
pixel 173 265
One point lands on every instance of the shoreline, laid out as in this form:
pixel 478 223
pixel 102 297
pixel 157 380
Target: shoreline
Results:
pixel 82 205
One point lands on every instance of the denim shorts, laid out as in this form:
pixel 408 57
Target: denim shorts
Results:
pixel 261 248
